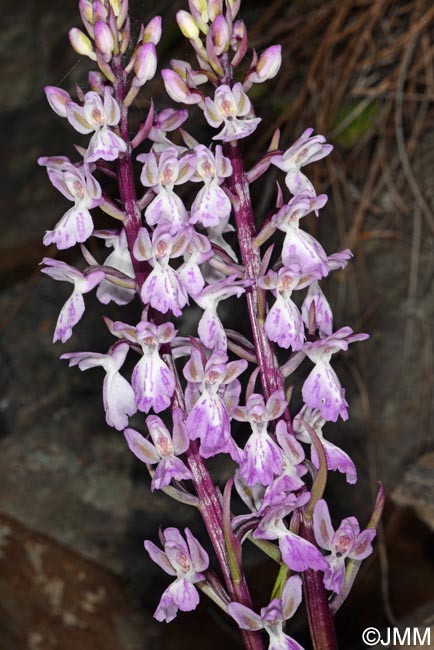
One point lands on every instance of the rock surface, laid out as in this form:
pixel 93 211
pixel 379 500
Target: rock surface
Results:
pixel 53 599
pixel 416 489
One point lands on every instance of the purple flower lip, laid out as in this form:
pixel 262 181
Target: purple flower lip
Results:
pixel 186 561
pixel 346 542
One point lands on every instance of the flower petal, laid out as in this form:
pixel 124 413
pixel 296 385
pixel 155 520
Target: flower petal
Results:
pixel 246 618
pixel 238 129
pixel 141 448
pixel 164 291
pixel 291 596
pixel 167 206
pixel 198 554
pixel 210 205
pixel 284 326
pixel 323 391
pixel 71 313
pixel 76 225
pixel 153 383
pixel 263 460
pixel 299 554
pixel 363 546
pixel 184 594
pixel 322 525
pixel 119 401
pixel 159 557
pixel 105 145
pixel 77 119
pixel 167 608
pixel 168 469
pixel 211 331
pixel 334 575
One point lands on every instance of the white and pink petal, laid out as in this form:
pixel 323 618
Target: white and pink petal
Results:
pixel 263 460
pixel 69 316
pixel 105 145
pixel 76 226
pixel 210 205
pixel 211 331
pixel 167 206
pixel 153 383
pixel 300 555
pixel 164 291
pixel 119 400
pixel 246 618
pixel 143 449
pixel 159 557
pixel 168 469
pixel 322 390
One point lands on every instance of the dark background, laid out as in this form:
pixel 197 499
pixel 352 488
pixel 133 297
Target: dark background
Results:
pixel 75 505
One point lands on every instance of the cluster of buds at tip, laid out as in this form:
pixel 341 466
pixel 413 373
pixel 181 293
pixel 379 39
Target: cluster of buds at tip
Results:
pixel 107 32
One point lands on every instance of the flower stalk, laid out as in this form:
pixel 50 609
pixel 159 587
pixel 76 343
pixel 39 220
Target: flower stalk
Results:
pixel 126 183
pixel 209 504
pixel 167 253
pixel 320 617
pixel 246 232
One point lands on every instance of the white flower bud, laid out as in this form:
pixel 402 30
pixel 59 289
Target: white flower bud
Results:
pixel 145 65
pixel 81 43
pixel 104 40
pixel 187 25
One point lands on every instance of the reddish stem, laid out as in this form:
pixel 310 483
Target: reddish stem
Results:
pixel 210 507
pixel 321 621
pixel 212 514
pixel 320 617
pixel 271 377
pixel 127 188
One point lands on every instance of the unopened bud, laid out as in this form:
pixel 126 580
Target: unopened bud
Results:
pixel 239 32
pixel 199 9
pixel 234 6
pixel 116 5
pixel 123 13
pixel 125 35
pixel 81 43
pixel 197 77
pixel 152 31
pixel 86 13
pixel 200 6
pixel 104 40
pixel 215 8
pixel 169 119
pixel 220 35
pixel 178 90
pixel 145 65
pixel 239 42
pixel 99 11
pixel 57 98
pixel 96 81
pixel 269 63
pixel 86 9
pixel 181 67
pixel 187 25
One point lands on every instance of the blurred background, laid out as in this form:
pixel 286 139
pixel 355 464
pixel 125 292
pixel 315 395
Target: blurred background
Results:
pixel 75 505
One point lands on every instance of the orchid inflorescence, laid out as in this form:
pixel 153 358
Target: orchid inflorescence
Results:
pixel 165 254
